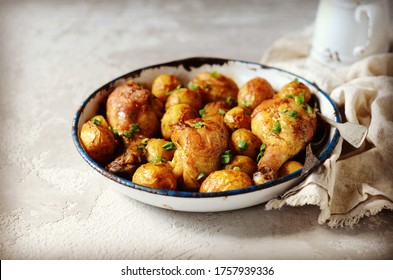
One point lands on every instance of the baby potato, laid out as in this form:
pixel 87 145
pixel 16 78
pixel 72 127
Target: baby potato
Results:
pixel 242 163
pixel 238 117
pixel 289 167
pixel 253 92
pixel 294 89
pixel 185 96
pixel 158 176
pixel 175 114
pixel 163 84
pixel 246 143
pixel 159 150
pixel 215 86
pixel 225 180
pixel 215 108
pixel 98 140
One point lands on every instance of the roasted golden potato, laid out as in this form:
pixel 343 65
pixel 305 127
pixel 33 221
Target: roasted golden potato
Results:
pixel 289 167
pixel 242 163
pixel 215 108
pixel 296 90
pixel 185 96
pixel 158 176
pixel 98 140
pixel 133 110
pixel 246 143
pixel 215 86
pixel 253 92
pixel 238 117
pixel 163 84
pixel 159 150
pixel 225 180
pixel 175 114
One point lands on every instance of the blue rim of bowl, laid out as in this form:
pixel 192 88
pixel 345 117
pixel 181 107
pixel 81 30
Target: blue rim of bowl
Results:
pixel 188 64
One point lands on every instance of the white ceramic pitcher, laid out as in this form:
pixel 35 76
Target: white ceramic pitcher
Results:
pixel 349 30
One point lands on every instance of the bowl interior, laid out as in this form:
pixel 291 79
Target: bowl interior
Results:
pixel 240 72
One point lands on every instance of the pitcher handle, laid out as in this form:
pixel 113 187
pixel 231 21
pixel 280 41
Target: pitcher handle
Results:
pixel 373 13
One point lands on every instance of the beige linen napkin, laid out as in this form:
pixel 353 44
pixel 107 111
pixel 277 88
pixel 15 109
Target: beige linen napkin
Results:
pixel 353 183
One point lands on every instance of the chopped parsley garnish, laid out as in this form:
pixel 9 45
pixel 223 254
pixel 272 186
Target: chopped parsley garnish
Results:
pixel 127 134
pixel 226 157
pixel 231 101
pixel 289 96
pixel 202 112
pixel 114 131
pixel 158 160
pixel 307 108
pixel 242 145
pixel 134 127
pixel 144 141
pixel 284 111
pixel 261 152
pixel 296 80
pixel 293 114
pixel 201 175
pixel 245 104
pixel 141 148
pixel 169 146
pixel 207 86
pixel 276 127
pixel 96 121
pixel 236 168
pixel 215 74
pixel 198 125
pixel 192 86
pixel 171 91
pixel 299 99
pixel 221 111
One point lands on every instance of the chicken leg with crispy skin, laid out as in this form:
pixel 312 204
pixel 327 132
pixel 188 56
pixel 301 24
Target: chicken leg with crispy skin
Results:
pixel 134 113
pixel 200 144
pixel 286 126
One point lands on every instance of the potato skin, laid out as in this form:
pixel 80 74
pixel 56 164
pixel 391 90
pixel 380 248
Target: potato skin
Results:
pixel 158 176
pixel 174 115
pixel 215 86
pixel 163 84
pixel 98 140
pixel 243 163
pixel 254 91
pixel 225 180
pixel 185 96
pixel 289 167
pixel 252 146
pixel 155 151
pixel 238 117
pixel 293 89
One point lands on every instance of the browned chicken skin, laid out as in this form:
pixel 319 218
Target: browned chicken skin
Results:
pixel 285 126
pixel 131 104
pixel 200 144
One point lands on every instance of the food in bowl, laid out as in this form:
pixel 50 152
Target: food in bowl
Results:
pixel 210 135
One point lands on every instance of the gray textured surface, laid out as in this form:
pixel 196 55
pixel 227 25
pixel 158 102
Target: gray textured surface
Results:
pixel 53 206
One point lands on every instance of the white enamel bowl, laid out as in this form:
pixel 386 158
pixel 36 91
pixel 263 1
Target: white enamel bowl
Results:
pixel 240 72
